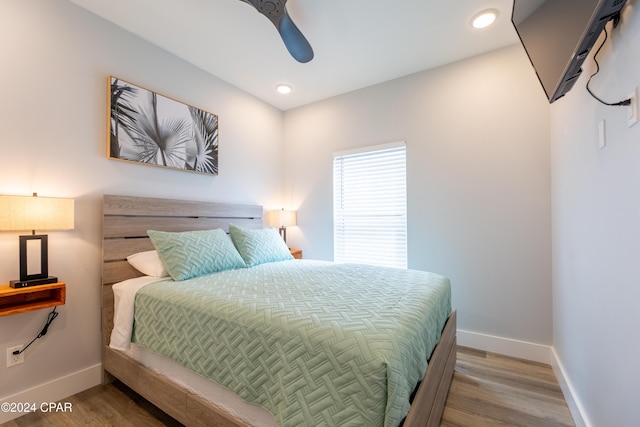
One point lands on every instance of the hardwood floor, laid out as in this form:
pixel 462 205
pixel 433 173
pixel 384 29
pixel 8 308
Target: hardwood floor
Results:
pixel 494 390
pixel 487 390
pixel 101 406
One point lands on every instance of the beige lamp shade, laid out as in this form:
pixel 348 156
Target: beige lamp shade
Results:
pixel 281 218
pixel 19 213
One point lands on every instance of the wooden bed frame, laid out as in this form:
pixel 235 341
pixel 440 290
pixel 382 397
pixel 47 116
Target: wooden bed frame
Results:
pixel 126 221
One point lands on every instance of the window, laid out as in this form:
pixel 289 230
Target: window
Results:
pixel 370 205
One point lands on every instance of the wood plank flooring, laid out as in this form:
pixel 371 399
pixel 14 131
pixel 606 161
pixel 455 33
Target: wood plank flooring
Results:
pixel 493 390
pixel 487 390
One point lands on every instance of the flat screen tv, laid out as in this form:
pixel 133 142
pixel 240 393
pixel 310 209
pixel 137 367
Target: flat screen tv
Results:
pixel 558 35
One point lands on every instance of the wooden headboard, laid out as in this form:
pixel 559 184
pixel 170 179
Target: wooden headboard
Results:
pixel 126 220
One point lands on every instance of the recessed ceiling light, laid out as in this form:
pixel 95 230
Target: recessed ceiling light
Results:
pixel 484 18
pixel 284 89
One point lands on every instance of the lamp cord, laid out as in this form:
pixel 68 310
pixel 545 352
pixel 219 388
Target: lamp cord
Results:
pixel 595 56
pixel 43 332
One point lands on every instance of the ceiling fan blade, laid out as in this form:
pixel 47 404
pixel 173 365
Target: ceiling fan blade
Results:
pixel 293 39
pixel 296 43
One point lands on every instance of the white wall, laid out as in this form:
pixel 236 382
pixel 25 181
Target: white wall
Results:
pixel 477 136
pixel 596 235
pixel 56 59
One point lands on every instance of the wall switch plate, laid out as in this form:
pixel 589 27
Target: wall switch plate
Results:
pixel 632 109
pixel 14 359
pixel 602 134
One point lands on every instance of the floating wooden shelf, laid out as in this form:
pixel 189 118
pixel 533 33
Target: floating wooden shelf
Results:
pixel 21 300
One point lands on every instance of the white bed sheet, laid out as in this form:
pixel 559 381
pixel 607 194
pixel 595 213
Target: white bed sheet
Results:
pixel 124 298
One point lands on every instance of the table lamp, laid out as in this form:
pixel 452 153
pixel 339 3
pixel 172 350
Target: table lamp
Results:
pixel 19 213
pixel 282 219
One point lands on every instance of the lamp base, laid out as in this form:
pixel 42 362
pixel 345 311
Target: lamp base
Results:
pixel 32 282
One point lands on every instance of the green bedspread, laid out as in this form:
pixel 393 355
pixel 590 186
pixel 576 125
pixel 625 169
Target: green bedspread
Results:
pixel 314 343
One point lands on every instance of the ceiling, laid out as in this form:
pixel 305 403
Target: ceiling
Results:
pixel 357 43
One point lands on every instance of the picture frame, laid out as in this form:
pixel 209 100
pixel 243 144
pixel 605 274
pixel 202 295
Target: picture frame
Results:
pixel 148 128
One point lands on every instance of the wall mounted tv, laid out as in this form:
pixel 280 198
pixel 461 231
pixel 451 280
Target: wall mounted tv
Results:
pixel 558 35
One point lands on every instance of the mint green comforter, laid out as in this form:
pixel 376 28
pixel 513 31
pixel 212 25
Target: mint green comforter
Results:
pixel 314 343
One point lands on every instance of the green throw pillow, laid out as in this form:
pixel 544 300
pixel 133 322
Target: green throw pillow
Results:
pixel 195 253
pixel 259 246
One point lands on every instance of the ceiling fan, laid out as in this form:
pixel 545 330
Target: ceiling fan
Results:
pixel 276 11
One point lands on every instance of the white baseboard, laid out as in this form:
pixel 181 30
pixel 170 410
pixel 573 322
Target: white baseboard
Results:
pixel 575 406
pixel 509 347
pixel 55 390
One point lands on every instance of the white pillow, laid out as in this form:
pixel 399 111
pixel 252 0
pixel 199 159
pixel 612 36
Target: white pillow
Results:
pixel 148 263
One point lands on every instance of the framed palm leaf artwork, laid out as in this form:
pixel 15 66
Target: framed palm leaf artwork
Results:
pixel 149 128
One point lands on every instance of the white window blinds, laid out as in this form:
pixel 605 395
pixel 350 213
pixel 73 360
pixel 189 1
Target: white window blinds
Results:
pixel 370 205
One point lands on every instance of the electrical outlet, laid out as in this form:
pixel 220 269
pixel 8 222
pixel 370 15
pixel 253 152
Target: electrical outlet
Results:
pixel 14 359
pixel 632 109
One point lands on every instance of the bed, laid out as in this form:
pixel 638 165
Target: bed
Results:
pixel 126 221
